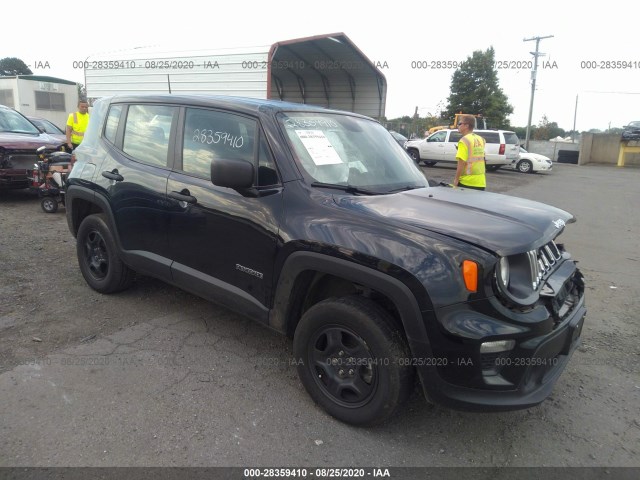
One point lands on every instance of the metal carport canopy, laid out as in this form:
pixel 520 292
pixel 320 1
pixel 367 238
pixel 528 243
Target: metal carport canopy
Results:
pixel 326 70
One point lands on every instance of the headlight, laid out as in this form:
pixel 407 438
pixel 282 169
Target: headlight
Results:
pixel 518 277
pixel 503 271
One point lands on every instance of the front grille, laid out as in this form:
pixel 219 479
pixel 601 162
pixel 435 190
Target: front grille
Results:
pixel 543 260
pixel 20 159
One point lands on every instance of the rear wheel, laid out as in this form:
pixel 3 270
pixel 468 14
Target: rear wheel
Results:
pixel 49 205
pixel 354 360
pixel 98 259
pixel 430 163
pixel 524 166
pixel 493 168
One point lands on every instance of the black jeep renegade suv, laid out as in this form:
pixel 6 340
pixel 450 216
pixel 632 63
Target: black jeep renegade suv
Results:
pixel 317 224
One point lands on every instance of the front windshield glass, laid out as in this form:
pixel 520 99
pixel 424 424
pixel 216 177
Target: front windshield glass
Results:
pixel 11 121
pixel 349 151
pixel 48 127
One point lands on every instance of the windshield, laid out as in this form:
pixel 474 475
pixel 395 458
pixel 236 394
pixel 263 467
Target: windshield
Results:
pixel 47 126
pixel 349 151
pixel 399 136
pixel 12 121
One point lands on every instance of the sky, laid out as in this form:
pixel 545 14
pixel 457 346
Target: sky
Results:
pixel 592 59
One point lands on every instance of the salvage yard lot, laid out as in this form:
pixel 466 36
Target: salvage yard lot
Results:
pixel 156 377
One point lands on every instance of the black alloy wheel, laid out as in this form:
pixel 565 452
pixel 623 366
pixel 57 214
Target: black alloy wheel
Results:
pixel 353 359
pixel 98 259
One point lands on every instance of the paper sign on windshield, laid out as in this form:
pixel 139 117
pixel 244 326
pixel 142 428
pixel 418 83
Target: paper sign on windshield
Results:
pixel 319 147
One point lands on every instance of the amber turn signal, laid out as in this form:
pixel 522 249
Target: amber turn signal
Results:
pixel 470 275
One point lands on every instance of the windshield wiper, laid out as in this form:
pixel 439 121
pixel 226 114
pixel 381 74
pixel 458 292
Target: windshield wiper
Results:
pixel 405 188
pixel 346 188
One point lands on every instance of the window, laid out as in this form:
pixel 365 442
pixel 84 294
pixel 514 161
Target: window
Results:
pixel 12 121
pixel 510 138
pixel 210 134
pixel 111 125
pixel 50 101
pixel 437 137
pixel 6 98
pixel 455 137
pixel 146 133
pixel 490 137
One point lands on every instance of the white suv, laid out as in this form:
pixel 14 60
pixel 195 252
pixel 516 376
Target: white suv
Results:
pixel 501 149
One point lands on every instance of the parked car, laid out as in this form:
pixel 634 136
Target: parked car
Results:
pixel 500 150
pixel 401 139
pixel 49 128
pixel 314 223
pixel 19 140
pixel 531 162
pixel 631 131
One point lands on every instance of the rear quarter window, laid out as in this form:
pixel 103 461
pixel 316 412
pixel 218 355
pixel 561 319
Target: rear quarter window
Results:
pixel 490 137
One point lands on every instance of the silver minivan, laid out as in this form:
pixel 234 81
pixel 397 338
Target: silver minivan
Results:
pixel 501 149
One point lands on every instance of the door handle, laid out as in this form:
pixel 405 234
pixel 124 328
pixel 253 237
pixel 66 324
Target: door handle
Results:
pixel 113 175
pixel 183 196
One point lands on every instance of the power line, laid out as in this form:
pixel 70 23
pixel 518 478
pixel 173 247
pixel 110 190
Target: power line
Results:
pixel 618 93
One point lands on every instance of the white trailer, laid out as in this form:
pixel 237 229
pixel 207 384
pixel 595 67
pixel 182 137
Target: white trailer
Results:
pixel 326 70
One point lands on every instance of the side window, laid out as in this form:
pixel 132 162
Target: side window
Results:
pixel 490 137
pixel 455 137
pixel 111 125
pixel 210 134
pixel 267 173
pixel 437 137
pixel 146 133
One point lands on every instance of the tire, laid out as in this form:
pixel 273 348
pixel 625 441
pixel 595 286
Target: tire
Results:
pixel 49 205
pixel 352 360
pixel 98 257
pixel 430 163
pixel 525 166
pixel 415 156
pixel 493 168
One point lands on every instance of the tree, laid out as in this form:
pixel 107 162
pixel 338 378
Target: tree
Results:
pixel 82 91
pixel 475 89
pixel 10 66
pixel 547 130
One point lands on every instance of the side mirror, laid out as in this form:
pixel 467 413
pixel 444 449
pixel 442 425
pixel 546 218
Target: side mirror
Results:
pixel 236 174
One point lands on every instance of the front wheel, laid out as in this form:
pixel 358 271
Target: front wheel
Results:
pixel 524 166
pixel 353 360
pixel 98 257
pixel 415 156
pixel 49 204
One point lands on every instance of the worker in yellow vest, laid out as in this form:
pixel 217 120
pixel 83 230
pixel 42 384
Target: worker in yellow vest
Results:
pixel 470 156
pixel 77 125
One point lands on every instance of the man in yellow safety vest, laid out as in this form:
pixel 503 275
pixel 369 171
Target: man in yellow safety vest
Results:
pixel 77 124
pixel 470 156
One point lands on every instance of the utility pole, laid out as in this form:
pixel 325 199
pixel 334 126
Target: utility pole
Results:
pixel 534 73
pixel 575 114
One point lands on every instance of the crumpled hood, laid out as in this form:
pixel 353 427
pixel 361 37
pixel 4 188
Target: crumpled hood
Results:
pixel 500 223
pixel 25 141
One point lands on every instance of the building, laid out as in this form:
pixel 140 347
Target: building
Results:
pixel 40 96
pixel 326 70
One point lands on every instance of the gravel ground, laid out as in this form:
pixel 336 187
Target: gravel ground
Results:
pixel 170 415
